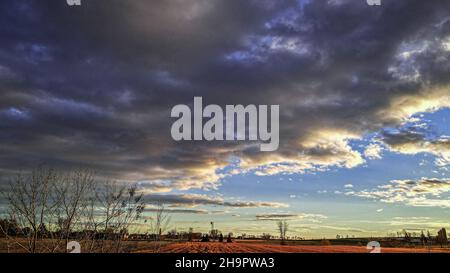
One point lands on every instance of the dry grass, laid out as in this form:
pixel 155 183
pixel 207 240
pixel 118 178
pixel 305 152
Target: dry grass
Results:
pixel 43 246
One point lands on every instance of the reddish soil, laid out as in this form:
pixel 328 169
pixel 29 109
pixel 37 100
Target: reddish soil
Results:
pixel 214 247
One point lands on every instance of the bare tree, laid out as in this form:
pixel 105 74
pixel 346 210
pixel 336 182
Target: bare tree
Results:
pixel 190 234
pixel 52 208
pixel 48 205
pixel 423 239
pixel 442 238
pixel 71 197
pixel 159 223
pixel 118 207
pixel 56 206
pixel 30 205
pixel 282 229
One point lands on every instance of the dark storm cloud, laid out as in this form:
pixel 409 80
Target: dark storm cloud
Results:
pixel 94 85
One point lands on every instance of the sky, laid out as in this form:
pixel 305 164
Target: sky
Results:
pixel 364 96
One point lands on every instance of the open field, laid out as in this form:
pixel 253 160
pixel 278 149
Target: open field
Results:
pixel 239 246
pixel 253 247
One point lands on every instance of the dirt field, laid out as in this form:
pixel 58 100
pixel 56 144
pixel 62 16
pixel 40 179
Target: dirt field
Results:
pixel 216 247
pixel 197 247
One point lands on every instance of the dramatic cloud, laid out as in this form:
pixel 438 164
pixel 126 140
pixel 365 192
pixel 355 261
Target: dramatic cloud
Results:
pixel 94 85
pixel 425 192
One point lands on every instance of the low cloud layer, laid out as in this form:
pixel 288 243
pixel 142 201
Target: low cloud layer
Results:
pixel 94 85
pixel 183 211
pixel 286 216
pixel 193 200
